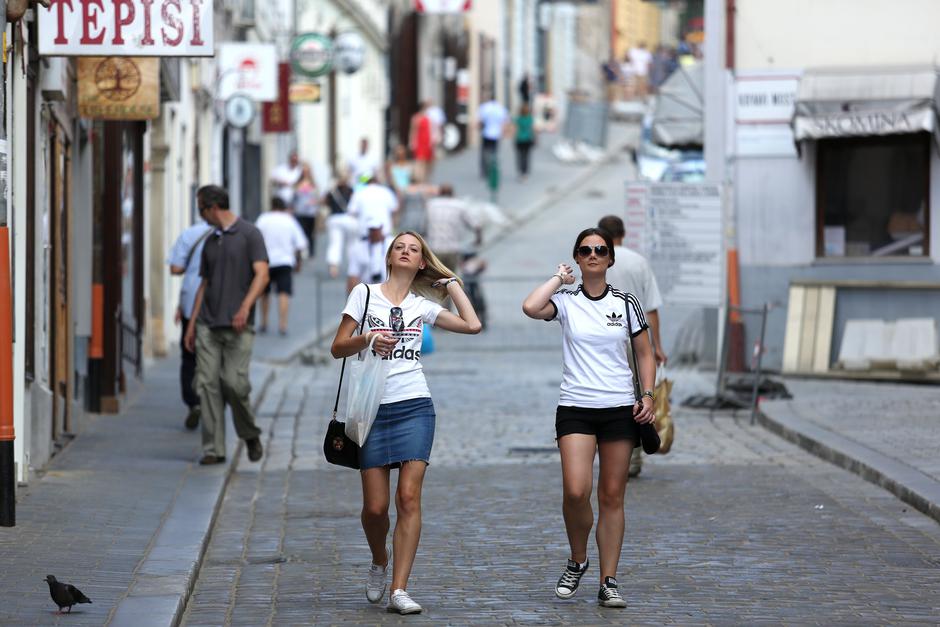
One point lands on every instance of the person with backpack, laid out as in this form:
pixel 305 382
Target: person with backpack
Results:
pixel 184 260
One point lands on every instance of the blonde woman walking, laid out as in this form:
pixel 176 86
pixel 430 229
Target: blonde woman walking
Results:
pixel 403 432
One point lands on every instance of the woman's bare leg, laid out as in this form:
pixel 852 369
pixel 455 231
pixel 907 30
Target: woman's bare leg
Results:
pixel 408 525
pixel 611 486
pixel 375 502
pixel 577 471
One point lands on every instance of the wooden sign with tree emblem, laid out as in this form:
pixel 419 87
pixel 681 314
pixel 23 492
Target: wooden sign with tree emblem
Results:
pixel 119 88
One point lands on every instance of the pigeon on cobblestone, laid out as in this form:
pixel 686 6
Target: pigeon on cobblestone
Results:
pixel 65 594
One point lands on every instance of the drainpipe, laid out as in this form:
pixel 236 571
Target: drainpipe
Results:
pixel 7 473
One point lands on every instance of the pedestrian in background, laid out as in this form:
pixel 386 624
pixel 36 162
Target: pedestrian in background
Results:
pixel 363 163
pixel 641 58
pixel 285 176
pixel 399 172
pixel 285 242
pixel 525 139
pixel 234 271
pixel 184 260
pixel 342 228
pixel 598 411
pixel 450 223
pixel 421 141
pixel 633 275
pixel 305 206
pixel 493 121
pixel 403 432
pixel 375 206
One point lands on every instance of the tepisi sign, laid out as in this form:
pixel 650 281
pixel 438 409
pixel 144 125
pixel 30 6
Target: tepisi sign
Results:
pixel 125 28
pixel 119 88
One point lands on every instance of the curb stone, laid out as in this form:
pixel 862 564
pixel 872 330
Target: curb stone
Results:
pixel 164 579
pixel 907 483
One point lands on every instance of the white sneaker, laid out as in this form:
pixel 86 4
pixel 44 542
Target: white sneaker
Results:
pixel 376 583
pixel 402 603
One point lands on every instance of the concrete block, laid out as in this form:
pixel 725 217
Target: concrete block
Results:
pixel 914 344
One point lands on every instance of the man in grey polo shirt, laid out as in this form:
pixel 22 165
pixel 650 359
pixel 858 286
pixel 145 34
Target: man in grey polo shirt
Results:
pixel 234 273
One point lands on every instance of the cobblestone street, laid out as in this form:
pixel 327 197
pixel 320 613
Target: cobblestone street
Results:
pixel 735 526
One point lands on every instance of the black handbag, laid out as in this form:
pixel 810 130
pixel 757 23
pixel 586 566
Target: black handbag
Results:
pixel 339 448
pixel 649 437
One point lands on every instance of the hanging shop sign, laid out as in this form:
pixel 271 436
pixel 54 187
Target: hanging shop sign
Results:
pixel 239 111
pixel 438 7
pixel 247 69
pixel 124 28
pixel 275 116
pixel 349 52
pixel 304 93
pixel 312 55
pixel 119 88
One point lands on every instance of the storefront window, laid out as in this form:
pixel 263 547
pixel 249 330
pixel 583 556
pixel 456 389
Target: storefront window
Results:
pixel 873 196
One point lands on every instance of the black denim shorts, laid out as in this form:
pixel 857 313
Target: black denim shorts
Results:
pixel 606 424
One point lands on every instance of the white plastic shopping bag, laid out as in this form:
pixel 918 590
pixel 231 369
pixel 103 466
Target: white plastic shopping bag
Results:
pixel 366 385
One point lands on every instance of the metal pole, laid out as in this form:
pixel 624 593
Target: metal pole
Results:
pixel 235 169
pixel 7 434
pixel 760 355
pixel 723 363
pixel 331 121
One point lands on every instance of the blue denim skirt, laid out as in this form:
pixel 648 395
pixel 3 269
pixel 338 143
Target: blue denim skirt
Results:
pixel 402 432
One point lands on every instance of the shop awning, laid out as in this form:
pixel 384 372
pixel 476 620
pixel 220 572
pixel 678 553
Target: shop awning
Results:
pixel 866 102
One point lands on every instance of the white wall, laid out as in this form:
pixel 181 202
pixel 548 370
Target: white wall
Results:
pixel 776 210
pixel 836 33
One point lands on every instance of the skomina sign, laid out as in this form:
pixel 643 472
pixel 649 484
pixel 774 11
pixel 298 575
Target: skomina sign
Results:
pixel 115 28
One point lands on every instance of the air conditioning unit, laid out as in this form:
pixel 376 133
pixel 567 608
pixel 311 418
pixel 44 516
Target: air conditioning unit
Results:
pixel 55 80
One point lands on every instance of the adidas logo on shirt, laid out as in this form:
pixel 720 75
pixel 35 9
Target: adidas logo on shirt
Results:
pixel 616 320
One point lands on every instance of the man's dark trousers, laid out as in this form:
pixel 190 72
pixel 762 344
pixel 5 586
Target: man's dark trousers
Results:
pixel 187 370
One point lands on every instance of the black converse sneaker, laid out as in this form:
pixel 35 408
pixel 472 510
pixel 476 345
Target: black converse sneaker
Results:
pixel 609 595
pixel 568 583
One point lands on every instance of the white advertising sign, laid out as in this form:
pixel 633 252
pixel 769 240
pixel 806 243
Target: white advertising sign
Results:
pixel 765 99
pixel 677 227
pixel 432 7
pixel 764 104
pixel 247 69
pixel 126 28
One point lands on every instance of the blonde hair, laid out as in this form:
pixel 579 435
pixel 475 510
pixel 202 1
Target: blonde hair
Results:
pixel 433 270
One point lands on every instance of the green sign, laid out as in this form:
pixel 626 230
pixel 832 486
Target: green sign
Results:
pixel 312 55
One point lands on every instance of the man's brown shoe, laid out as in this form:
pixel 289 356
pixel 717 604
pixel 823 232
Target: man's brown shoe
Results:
pixel 192 419
pixel 209 460
pixel 254 449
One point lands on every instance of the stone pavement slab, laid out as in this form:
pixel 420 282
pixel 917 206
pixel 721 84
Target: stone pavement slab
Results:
pixel 888 433
pixel 123 513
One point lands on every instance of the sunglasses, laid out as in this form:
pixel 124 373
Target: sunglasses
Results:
pixel 600 251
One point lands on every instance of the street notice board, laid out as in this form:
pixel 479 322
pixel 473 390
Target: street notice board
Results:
pixel 677 227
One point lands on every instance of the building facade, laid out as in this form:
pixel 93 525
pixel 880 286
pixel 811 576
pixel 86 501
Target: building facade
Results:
pixel 834 163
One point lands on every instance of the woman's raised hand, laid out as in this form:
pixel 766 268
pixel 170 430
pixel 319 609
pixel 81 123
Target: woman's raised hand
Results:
pixel 567 278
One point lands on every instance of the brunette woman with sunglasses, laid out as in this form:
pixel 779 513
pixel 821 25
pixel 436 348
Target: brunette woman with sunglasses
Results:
pixel 403 431
pixel 597 408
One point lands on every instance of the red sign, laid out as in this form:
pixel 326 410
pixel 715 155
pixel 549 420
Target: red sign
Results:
pixel 275 116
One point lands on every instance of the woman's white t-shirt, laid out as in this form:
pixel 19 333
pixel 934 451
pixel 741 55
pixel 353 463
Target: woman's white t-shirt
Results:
pixel 596 372
pixel 406 323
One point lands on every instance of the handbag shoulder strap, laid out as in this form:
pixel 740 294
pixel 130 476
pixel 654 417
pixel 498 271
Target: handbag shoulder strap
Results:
pixel 342 371
pixel 631 357
pixel 192 251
